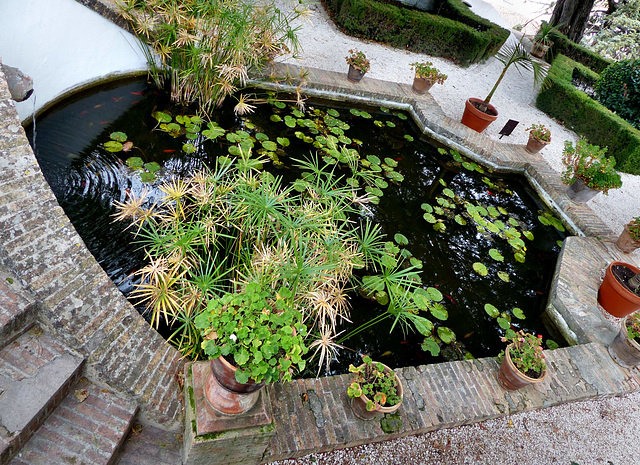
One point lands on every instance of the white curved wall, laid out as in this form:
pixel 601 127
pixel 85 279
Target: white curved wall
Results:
pixel 62 45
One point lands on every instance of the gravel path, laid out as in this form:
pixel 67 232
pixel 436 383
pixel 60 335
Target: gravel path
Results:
pixel 593 432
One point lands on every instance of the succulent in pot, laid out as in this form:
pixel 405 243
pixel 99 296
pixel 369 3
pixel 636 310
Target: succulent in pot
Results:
pixel 588 167
pixel 375 388
pixel 358 65
pixel 539 137
pixel 523 361
pixel 625 348
pixel 426 76
pixel 629 239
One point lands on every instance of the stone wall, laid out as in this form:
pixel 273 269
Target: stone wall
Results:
pixel 77 300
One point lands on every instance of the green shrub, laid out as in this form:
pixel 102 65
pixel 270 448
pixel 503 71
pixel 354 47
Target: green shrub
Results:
pixel 467 40
pixel 563 45
pixel 561 100
pixel 618 89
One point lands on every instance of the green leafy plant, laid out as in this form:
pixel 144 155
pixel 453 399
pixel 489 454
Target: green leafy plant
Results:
pixel 427 71
pixel 378 385
pixel 526 353
pixel 358 60
pixel 205 49
pixel 540 132
pixel 545 33
pixel 588 163
pixel 633 327
pixel 258 328
pixel 634 228
pixel 618 89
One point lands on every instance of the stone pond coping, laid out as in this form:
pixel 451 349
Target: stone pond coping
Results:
pixel 79 304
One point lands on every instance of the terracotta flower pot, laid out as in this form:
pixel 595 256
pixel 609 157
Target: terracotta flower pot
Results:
pixel 614 297
pixel 623 350
pixel 625 242
pixel 476 119
pixel 579 192
pixel 225 394
pixel 421 85
pixel 511 379
pixel 534 145
pixel 539 50
pixel 354 74
pixel 358 405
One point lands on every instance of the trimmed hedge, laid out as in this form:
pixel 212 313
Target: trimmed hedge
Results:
pixel 563 45
pixel 561 100
pixel 465 39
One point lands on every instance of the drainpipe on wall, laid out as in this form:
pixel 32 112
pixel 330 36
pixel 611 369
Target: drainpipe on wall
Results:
pixel 20 85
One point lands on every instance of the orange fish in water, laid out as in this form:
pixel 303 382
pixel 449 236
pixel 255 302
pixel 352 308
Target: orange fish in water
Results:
pixel 169 150
pixel 98 105
pixel 105 122
pixel 137 101
pixel 468 335
pixel 116 99
pixel 137 93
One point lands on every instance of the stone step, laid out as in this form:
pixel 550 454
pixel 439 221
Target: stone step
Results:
pixel 36 373
pixel 89 427
pixel 17 308
pixel 150 445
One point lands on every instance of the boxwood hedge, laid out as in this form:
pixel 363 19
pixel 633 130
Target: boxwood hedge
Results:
pixel 461 36
pixel 563 45
pixel 561 100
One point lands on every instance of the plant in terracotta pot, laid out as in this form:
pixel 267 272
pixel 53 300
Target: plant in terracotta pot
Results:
pixel 625 348
pixel 542 40
pixel 588 167
pixel 426 76
pixel 629 239
pixel 253 337
pixel 478 114
pixel 619 293
pixel 358 65
pixel 539 137
pixel 375 389
pixel 523 361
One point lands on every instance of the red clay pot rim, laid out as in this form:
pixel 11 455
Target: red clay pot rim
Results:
pixel 480 114
pixel 507 357
pixel 617 284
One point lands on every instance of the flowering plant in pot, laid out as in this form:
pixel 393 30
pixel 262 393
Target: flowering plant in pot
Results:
pixel 426 76
pixel 619 293
pixel 478 114
pixel 588 167
pixel 625 348
pixel 375 388
pixel 358 65
pixel 629 239
pixel 523 361
pixel 539 137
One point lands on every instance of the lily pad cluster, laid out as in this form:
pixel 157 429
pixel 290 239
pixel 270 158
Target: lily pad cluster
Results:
pixel 504 318
pixel 118 143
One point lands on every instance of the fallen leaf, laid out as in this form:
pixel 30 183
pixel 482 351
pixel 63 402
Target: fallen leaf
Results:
pixel 127 146
pixel 81 394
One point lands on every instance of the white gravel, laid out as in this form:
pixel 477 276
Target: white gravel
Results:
pixel 325 47
pixel 593 432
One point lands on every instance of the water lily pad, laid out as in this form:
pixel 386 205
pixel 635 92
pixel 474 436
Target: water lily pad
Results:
pixel 162 117
pixel 518 313
pixel 145 176
pixel 491 310
pixel 446 334
pixel 504 323
pixel 113 146
pixel 503 276
pixel 275 118
pixel 480 268
pixel 400 239
pixel 438 311
pixel 189 148
pixel 460 220
pixel 134 162
pixel 118 136
pixel 152 167
pixel 408 137
pixel 269 145
pixel 496 255
pixel 426 207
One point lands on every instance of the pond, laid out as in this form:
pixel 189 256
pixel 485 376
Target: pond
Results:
pixel 485 270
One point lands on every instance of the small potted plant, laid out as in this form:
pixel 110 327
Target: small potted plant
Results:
pixel 252 337
pixel 539 137
pixel 542 40
pixel 629 239
pixel 375 389
pixel 426 76
pixel 625 348
pixel 523 361
pixel 588 171
pixel 358 65
pixel 619 293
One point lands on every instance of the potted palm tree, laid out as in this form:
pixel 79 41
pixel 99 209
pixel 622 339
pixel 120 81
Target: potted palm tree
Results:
pixel 479 114
pixel 588 170
pixel 629 239
pixel 539 138
pixel 619 293
pixel 542 40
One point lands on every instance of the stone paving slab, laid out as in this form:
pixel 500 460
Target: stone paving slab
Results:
pixel 314 415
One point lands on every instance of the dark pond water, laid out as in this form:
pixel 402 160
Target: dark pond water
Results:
pixel 87 179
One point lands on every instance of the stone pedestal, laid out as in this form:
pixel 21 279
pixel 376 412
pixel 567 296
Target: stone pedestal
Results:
pixel 212 437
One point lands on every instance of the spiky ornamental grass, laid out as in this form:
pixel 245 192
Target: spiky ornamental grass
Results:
pixel 205 49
